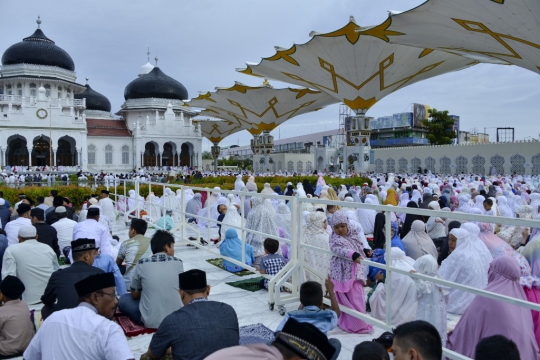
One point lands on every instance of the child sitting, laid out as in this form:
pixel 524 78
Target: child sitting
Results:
pixel 16 329
pixel 311 299
pixel 272 263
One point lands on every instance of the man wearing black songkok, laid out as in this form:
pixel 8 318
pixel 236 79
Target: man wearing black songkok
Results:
pixel 85 332
pixel 185 331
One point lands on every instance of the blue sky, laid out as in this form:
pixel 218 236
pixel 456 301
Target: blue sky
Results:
pixel 200 43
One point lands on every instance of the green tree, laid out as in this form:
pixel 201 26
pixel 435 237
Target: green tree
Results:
pixel 439 127
pixel 207 155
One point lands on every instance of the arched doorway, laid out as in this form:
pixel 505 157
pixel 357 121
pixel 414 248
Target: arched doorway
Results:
pixel 168 157
pixel 41 151
pixel 150 154
pixel 17 153
pixel 185 154
pixel 66 154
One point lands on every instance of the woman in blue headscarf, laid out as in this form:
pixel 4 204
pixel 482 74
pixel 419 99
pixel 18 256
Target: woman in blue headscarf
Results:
pixel 277 189
pixel 232 247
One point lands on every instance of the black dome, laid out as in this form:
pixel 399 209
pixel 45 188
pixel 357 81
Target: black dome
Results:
pixel 38 49
pixel 155 84
pixel 94 100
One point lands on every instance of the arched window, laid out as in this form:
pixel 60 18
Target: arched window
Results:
pixel 379 165
pixel 445 165
pixel 300 167
pixel 390 165
pixel 9 91
pixel 478 164
pixel 403 165
pixel 108 154
pixel 430 164
pixel 47 90
pixel 461 162
pixel 19 89
pixel 536 164
pixel 33 89
pixel 290 166
pixel 91 154
pixel 309 166
pixel 415 164
pixel 279 166
pixel 518 164
pixel 125 155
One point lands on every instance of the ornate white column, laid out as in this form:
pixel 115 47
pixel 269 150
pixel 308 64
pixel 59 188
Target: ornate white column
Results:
pixel 54 156
pixel 84 151
pixel 160 159
pixel 29 156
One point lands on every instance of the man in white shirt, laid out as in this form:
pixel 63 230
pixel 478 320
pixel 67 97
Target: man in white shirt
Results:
pixel 92 229
pixel 64 229
pixel 85 332
pixel 107 205
pixel 32 262
pixel 12 227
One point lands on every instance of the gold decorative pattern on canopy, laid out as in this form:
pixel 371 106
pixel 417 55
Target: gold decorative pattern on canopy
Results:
pixel 215 131
pixel 260 108
pixel 498 31
pixel 355 65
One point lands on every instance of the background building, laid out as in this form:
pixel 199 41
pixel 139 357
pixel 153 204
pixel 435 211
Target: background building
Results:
pixel 46 118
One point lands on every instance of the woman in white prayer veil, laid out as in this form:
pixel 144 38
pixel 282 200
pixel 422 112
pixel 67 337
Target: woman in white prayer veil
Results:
pixel 403 290
pixel 216 194
pixel 193 206
pixel 132 201
pixel 366 217
pixel 238 184
pixel 189 195
pixel 504 209
pixel 268 190
pixel 315 234
pixel 168 202
pixel 260 218
pixel 179 196
pixel 416 196
pixel 214 213
pixel 479 247
pixel 232 217
pixel 463 204
pixel 153 208
pixel 403 201
pixel 342 192
pixel 462 266
pixel 283 220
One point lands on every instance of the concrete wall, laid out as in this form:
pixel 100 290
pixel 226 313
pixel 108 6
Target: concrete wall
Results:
pixel 286 162
pixel 520 157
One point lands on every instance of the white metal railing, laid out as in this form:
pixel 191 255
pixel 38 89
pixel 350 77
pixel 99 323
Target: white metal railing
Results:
pixel 291 275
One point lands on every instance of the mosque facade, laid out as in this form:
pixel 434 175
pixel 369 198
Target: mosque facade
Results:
pixel 48 119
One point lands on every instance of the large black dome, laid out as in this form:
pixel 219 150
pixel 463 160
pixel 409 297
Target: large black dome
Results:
pixel 94 100
pixel 38 49
pixel 155 84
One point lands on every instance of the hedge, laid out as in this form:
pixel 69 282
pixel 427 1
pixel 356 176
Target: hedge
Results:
pixel 77 193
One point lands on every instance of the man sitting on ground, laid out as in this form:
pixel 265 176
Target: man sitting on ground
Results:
pixel 65 334
pixel 16 329
pixel 418 340
pixel 46 233
pixel 32 262
pixel 49 199
pixel 64 230
pixel 5 213
pixel 51 216
pixel 296 341
pixel 154 285
pixel 61 285
pixel 92 229
pixel 134 249
pixel 12 227
pixel 185 331
pixel 41 203
pixel 311 298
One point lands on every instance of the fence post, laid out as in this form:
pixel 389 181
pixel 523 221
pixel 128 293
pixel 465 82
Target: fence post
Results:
pixel 183 211
pixel 388 252
pixel 242 213
pixel 137 202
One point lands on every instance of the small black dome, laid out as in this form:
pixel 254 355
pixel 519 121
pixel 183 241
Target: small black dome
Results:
pixel 155 84
pixel 94 100
pixel 38 49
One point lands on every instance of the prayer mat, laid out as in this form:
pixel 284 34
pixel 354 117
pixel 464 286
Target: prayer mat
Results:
pixel 255 334
pixel 219 263
pixel 251 284
pixel 130 328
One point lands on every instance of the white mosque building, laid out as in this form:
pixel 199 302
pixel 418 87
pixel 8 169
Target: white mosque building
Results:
pixel 47 118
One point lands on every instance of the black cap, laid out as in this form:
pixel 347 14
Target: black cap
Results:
pixel 192 280
pixel 93 211
pixel 83 244
pixel 37 212
pixel 94 283
pixel 12 287
pixel 386 339
pixel 23 208
pixel 305 340
pixel 104 192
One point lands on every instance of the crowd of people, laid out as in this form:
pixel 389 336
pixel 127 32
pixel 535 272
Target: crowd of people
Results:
pixel 67 263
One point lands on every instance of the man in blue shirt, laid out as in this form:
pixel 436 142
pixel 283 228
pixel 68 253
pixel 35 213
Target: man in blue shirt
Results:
pixel 311 298
pixel 106 263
